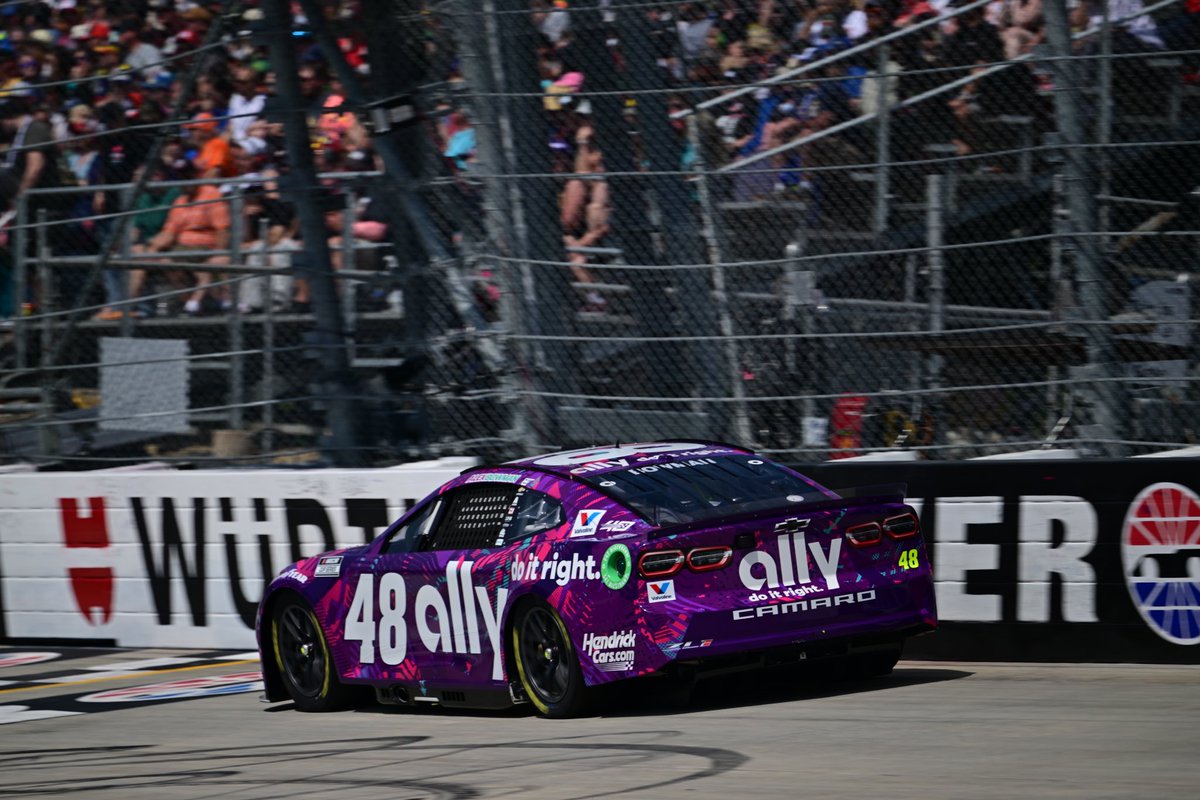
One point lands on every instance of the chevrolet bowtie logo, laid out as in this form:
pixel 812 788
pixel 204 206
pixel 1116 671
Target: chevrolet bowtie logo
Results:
pixel 791 525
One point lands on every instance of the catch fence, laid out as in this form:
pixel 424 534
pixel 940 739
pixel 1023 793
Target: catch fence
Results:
pixel 856 230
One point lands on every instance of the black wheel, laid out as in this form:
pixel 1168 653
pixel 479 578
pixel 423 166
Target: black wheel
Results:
pixel 303 659
pixel 546 662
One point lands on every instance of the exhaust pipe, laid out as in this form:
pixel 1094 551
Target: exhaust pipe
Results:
pixel 393 695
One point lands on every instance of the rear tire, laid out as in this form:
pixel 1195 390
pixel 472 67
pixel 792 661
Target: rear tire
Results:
pixel 303 659
pixel 546 662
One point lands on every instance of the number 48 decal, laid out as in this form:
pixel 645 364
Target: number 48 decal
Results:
pixel 910 559
pixel 360 622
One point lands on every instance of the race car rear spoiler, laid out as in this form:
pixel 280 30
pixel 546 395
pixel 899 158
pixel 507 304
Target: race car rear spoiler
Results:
pixel 884 492
pixel 853 497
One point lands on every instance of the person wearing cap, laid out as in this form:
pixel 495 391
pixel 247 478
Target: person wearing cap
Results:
pixel 86 159
pixel 32 158
pixel 156 97
pixel 213 158
pixel 551 18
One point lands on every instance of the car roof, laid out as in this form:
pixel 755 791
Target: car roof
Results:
pixel 607 458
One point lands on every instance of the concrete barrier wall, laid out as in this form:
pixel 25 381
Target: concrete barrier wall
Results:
pixel 1054 560
pixel 178 559
pixel 1057 560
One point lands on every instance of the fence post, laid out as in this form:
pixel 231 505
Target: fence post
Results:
pixel 882 142
pixel 348 287
pixel 21 286
pixel 1104 121
pixel 484 71
pixel 344 411
pixel 740 424
pixel 237 232
pixel 935 227
pixel 1105 396
pixel 549 296
pixel 130 306
pixel 48 439
pixel 268 356
pixel 47 283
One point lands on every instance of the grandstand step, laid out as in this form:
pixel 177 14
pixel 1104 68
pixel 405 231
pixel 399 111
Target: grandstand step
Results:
pixel 596 251
pixel 376 363
pixel 843 236
pixel 1144 119
pixel 616 288
pixel 21 408
pixel 604 318
pixel 1137 201
pixel 20 393
pixel 993 177
pixel 207 416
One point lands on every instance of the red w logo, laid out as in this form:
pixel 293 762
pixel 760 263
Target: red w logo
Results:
pixel 92 586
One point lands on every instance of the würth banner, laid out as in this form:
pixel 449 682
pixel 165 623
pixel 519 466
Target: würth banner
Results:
pixel 178 559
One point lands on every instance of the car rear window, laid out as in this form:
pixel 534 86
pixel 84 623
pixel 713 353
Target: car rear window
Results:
pixel 707 488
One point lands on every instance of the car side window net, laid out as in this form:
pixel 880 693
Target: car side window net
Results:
pixel 475 518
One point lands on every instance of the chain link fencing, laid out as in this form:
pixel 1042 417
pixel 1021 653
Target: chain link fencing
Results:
pixel 819 229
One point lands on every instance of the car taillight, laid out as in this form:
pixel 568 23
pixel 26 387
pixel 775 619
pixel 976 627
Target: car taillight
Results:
pixel 707 559
pixel 864 535
pixel 660 563
pixel 901 526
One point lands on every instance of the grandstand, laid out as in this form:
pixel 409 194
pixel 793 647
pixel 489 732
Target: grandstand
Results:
pixel 822 229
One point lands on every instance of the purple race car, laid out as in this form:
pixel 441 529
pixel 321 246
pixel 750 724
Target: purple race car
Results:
pixel 539 579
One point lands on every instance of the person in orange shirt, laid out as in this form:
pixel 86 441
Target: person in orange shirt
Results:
pixel 213 158
pixel 198 221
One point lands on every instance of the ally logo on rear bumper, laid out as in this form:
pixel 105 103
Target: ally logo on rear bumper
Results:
pixel 787 574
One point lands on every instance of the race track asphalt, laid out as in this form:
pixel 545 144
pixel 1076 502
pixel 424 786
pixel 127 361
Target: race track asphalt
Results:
pixel 930 730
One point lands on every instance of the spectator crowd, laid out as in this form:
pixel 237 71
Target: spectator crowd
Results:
pixel 86 87
pixel 723 51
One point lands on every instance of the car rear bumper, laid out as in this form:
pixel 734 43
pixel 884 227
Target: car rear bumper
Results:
pixel 693 666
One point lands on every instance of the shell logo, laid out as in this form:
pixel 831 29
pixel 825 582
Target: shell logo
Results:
pixel 1160 553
